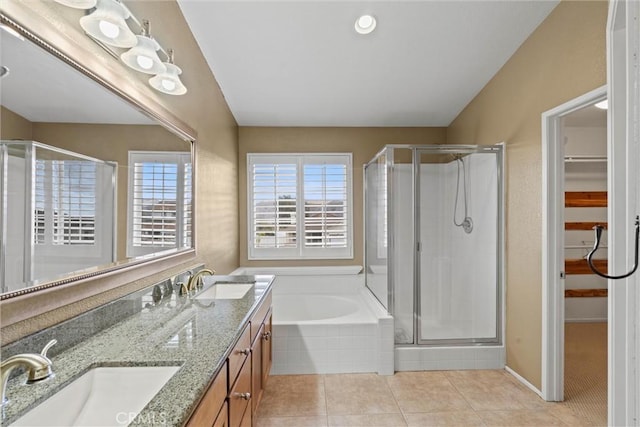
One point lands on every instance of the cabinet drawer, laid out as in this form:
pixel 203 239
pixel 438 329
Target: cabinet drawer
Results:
pixel 213 400
pixel 259 315
pixel 239 354
pixel 240 395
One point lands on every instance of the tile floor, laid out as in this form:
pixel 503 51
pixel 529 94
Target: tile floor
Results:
pixel 431 398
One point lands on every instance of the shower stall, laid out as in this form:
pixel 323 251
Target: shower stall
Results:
pixel 57 213
pixel 434 252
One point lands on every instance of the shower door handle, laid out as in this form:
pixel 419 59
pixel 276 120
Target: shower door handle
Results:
pixel 598 235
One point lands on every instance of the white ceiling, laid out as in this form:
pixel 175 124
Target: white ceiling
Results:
pixel 300 63
pixel 590 116
pixel 42 88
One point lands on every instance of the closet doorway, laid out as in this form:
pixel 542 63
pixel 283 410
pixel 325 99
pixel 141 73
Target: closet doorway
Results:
pixel 574 364
pixel 584 133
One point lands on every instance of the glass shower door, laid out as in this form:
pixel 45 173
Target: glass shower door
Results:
pixel 458 200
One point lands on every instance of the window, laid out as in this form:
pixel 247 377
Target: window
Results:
pixel 159 201
pixel 299 206
pixel 65 202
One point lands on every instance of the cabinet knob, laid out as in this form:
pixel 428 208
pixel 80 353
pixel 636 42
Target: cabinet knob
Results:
pixel 266 336
pixel 246 351
pixel 245 396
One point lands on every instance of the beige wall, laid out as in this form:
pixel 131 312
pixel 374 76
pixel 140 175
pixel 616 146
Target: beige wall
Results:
pixel 203 108
pixel 363 143
pixel 563 59
pixel 14 126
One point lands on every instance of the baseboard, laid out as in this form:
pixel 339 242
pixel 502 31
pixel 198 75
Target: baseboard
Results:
pixel 586 320
pixel 523 381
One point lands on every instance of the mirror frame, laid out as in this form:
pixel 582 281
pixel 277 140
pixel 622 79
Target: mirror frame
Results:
pixel 32 301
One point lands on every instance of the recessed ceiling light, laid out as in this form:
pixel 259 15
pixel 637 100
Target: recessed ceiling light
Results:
pixel 365 24
pixel 603 105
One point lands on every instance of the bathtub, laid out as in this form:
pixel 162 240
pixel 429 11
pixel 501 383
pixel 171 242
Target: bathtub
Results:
pixel 326 321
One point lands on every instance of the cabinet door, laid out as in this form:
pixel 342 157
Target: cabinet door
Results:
pixel 256 369
pixel 266 348
pixel 247 419
pixel 223 417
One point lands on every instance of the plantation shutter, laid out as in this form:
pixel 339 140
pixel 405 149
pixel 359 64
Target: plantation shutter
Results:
pixel 187 226
pixel 154 204
pixel 160 205
pixel 65 202
pixel 274 204
pixel 325 206
pixel 299 206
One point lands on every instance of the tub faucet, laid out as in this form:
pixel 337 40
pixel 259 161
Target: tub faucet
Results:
pixel 38 368
pixel 196 280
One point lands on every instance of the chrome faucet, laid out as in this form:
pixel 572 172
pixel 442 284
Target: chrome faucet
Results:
pixel 196 280
pixel 38 368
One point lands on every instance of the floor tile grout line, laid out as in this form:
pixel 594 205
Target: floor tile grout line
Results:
pixel 395 398
pixel 326 403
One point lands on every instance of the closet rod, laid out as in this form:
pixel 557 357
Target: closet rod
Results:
pixel 578 159
pixel 583 246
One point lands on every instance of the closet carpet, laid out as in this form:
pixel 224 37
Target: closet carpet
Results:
pixel 585 376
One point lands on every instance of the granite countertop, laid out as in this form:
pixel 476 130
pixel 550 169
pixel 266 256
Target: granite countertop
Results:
pixel 164 329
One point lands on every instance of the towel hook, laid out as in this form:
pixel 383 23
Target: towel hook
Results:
pixel 598 230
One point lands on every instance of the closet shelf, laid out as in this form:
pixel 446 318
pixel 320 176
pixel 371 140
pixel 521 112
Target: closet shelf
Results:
pixel 584 225
pixel 585 199
pixel 580 266
pixel 589 293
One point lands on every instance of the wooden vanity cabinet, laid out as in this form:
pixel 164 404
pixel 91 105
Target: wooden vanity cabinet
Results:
pixel 234 395
pixel 240 395
pixel 261 358
pixel 223 417
pixel 260 350
pixel 212 408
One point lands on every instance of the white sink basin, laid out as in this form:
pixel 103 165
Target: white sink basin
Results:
pixel 104 396
pixel 226 291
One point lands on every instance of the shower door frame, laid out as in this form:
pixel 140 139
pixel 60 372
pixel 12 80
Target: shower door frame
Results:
pixel 498 150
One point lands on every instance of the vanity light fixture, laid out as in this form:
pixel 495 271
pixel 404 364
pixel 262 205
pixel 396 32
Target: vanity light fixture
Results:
pixel 143 56
pixel 107 23
pixel 365 24
pixel 78 4
pixel 169 81
pixel 603 105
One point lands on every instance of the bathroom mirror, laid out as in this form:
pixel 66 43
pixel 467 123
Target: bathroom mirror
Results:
pixel 63 119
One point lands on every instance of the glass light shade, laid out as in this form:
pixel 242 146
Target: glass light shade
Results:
pixel 107 24
pixel 169 82
pixel 78 4
pixel 143 57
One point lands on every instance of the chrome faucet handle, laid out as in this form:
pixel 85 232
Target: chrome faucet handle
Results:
pixel 48 346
